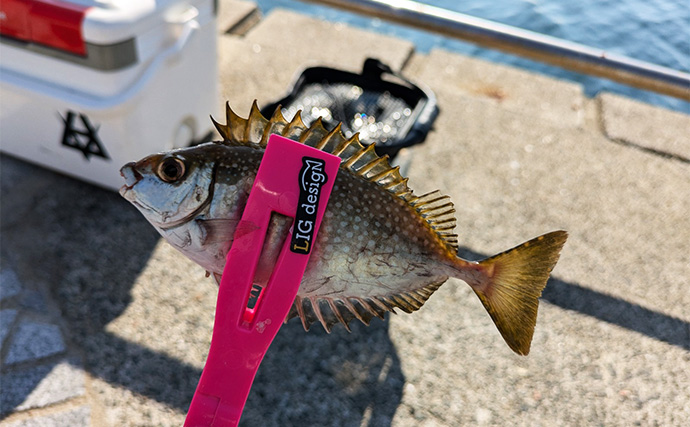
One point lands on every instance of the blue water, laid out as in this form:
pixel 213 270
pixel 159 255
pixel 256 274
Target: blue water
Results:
pixel 656 31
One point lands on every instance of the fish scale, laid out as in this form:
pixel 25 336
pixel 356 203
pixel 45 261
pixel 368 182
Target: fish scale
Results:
pixel 380 247
pixel 374 247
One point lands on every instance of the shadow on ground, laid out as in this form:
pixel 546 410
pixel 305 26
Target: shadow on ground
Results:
pixel 610 309
pixel 73 241
pixel 87 246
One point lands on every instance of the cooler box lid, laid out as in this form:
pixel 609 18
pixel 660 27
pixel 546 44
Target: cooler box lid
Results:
pixel 69 25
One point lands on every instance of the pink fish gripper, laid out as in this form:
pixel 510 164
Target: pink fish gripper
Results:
pixel 293 180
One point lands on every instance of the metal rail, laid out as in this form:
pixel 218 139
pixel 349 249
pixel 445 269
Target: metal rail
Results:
pixel 539 47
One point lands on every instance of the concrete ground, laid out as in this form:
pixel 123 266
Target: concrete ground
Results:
pixel 104 324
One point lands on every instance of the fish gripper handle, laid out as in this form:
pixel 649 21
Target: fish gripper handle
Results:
pixel 293 180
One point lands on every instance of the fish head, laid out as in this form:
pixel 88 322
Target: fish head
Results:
pixel 170 188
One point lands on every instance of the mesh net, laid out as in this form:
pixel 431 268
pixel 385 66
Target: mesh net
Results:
pixel 379 117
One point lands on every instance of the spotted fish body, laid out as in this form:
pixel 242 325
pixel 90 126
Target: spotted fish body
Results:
pixel 380 247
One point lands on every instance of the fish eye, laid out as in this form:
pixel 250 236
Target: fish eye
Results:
pixel 171 169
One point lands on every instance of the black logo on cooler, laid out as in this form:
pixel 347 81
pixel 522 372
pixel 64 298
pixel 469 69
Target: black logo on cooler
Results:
pixel 311 178
pixel 84 139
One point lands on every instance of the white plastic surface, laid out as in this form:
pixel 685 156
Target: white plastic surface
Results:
pixel 146 108
pixel 110 21
pixel 154 34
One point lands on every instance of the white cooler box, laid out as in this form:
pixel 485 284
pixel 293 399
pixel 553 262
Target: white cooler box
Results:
pixel 88 85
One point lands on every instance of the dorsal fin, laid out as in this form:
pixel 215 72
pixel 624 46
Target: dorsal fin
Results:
pixel 233 129
pixel 256 124
pixel 314 134
pixel 276 125
pixel 358 159
pixel 295 128
pixel 438 211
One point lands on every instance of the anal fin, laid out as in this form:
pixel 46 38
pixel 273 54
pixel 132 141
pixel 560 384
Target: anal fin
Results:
pixel 331 311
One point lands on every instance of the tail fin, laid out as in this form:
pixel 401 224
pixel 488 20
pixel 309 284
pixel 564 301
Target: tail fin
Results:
pixel 515 279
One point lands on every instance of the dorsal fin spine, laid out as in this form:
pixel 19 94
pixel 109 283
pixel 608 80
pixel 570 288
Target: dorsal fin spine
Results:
pixel 362 153
pixel 369 166
pixel 276 125
pixel 343 145
pixel 314 134
pixel 234 126
pixel 256 124
pixel 222 130
pixel 435 208
pixel 327 138
pixel 295 128
pixel 429 204
pixel 440 214
pixel 394 184
pixel 385 173
pixel 428 208
pixel 429 197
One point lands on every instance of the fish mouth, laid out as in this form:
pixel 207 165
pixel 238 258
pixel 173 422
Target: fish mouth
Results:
pixel 131 176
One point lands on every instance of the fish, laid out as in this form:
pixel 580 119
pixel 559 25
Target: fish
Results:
pixel 380 246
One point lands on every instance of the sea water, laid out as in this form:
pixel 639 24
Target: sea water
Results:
pixel 655 31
